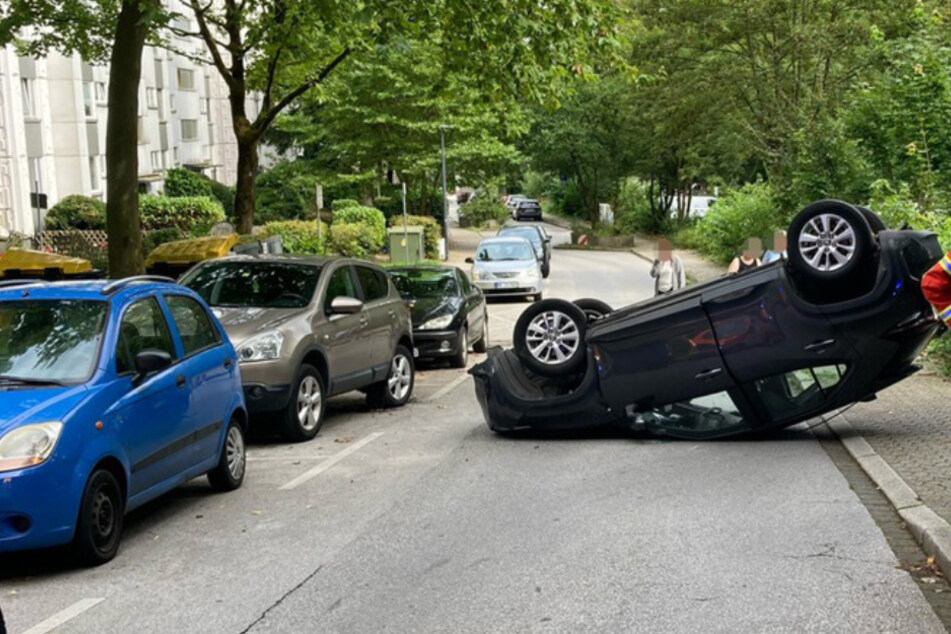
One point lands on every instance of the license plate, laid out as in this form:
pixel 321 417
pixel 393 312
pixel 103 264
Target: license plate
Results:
pixel 505 285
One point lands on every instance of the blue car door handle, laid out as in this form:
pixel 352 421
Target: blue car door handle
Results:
pixel 819 346
pixel 706 375
pixel 180 380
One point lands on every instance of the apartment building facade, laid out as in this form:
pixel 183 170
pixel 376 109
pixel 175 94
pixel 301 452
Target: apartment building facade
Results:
pixel 53 126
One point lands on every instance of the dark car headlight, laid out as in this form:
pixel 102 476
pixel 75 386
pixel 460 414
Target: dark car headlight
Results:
pixel 440 322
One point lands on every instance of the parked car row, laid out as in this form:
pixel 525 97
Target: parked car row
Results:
pixel 115 392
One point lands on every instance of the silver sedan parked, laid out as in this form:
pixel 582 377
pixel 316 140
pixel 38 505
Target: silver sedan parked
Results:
pixel 507 267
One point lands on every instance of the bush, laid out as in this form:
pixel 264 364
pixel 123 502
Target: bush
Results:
pixel 371 217
pixel 539 184
pixel 77 212
pixel 194 215
pixel 482 209
pixel 298 236
pixel 432 231
pixel 181 182
pixel 224 195
pixel 633 213
pixel 343 203
pixel 748 212
pixel 285 192
pixel 355 240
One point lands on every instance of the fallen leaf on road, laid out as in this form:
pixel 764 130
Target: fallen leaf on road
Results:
pixel 343 440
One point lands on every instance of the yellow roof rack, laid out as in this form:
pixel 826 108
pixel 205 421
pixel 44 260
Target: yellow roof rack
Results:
pixel 27 260
pixel 190 251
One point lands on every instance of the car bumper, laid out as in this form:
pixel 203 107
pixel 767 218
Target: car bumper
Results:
pixel 436 343
pixel 264 398
pixel 501 288
pixel 38 506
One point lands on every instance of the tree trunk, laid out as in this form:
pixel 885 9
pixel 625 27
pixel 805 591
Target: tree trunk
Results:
pixel 245 192
pixel 123 226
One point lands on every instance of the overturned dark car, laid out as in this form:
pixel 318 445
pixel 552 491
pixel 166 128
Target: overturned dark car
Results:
pixel 838 321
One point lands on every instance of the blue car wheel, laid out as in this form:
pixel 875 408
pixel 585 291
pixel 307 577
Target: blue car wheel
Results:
pixel 99 527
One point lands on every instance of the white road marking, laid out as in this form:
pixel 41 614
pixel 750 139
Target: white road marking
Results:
pixel 323 466
pixel 449 388
pixel 71 612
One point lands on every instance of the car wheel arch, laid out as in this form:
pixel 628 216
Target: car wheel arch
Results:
pixel 318 359
pixel 114 466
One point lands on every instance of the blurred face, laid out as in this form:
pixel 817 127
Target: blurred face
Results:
pixel 663 250
pixel 753 248
pixel 779 241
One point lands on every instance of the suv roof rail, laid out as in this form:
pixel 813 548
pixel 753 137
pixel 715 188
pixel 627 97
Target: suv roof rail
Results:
pixel 9 283
pixel 118 285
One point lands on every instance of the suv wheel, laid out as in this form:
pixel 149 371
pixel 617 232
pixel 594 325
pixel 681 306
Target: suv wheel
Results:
pixel 549 337
pixel 396 389
pixel 305 410
pixel 594 309
pixel 99 527
pixel 830 241
pixel 461 358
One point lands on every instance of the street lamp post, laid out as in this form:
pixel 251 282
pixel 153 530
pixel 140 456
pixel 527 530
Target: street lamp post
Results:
pixel 445 195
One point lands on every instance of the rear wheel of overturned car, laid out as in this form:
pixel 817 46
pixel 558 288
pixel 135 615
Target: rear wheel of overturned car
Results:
pixel 228 474
pixel 875 222
pixel 829 241
pixel 594 309
pixel 305 411
pixel 549 337
pixel 397 388
pixel 461 358
pixel 99 526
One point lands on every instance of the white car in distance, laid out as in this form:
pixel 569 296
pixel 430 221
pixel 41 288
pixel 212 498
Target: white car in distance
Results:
pixel 507 267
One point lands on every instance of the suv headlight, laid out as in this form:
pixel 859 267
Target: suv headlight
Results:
pixel 263 347
pixel 437 323
pixel 29 445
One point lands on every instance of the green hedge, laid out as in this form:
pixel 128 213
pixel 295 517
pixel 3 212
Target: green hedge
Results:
pixel 374 236
pixel 748 212
pixel 356 240
pixel 77 212
pixel 196 215
pixel 298 236
pixel 483 208
pixel 432 231
pixel 343 203
pixel 181 182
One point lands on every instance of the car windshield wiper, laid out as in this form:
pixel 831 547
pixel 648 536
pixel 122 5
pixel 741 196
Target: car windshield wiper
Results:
pixel 19 380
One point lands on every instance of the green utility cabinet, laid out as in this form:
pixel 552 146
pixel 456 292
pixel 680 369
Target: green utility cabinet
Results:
pixel 406 244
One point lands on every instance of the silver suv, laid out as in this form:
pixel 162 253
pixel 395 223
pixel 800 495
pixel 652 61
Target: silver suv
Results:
pixel 306 328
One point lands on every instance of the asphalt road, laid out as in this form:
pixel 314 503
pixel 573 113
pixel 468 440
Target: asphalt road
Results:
pixel 422 520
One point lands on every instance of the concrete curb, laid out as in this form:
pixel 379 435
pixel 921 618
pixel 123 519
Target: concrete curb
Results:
pixel 930 530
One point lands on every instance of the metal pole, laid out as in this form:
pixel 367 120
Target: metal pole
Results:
pixel 445 197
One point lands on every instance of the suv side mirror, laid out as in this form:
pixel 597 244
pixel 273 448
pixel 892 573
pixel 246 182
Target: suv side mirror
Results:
pixel 151 361
pixel 344 305
pixel 470 261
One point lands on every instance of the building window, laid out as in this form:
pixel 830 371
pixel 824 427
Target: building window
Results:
pixel 101 92
pixel 151 98
pixel 186 79
pixel 93 174
pixel 189 129
pixel 88 106
pixel 28 89
pixel 156 161
pixel 159 96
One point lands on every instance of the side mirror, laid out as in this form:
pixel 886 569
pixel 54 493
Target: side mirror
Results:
pixel 344 305
pixel 151 361
pixel 470 261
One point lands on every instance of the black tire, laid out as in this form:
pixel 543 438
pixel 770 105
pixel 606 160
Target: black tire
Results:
pixel 380 395
pixel 875 222
pixel 546 270
pixel 99 525
pixel 556 318
pixel 309 384
pixel 594 309
pixel 482 344
pixel 228 474
pixel 461 358
pixel 832 256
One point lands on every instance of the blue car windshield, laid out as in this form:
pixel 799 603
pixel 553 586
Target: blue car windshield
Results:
pixel 255 284
pixel 413 283
pixel 50 341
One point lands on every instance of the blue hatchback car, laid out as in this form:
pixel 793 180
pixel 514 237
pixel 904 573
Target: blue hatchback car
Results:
pixel 111 394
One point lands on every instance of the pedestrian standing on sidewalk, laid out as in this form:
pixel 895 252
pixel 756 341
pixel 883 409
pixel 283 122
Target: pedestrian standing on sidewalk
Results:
pixel 748 259
pixel 936 287
pixel 668 270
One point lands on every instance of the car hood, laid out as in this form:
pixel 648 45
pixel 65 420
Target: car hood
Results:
pixel 507 266
pixel 37 404
pixel 244 322
pixel 426 308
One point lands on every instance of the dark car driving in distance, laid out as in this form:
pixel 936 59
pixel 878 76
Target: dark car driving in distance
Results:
pixel 449 312
pixel 540 240
pixel 527 208
pixel 842 319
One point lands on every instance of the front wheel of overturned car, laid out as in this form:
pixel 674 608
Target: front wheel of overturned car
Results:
pixel 549 337
pixel 99 527
pixel 228 474
pixel 305 411
pixel 594 309
pixel 830 241
pixel 397 388
pixel 461 358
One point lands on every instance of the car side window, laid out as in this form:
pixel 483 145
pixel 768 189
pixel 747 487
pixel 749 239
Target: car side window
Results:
pixel 193 324
pixel 340 285
pixel 373 290
pixel 464 282
pixel 384 281
pixel 708 415
pixel 142 327
pixel 798 391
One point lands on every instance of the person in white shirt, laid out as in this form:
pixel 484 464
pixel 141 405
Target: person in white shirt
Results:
pixel 667 271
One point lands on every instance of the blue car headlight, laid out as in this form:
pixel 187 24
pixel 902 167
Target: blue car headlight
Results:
pixel 29 445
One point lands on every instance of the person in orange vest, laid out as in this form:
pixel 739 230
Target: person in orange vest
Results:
pixel 936 287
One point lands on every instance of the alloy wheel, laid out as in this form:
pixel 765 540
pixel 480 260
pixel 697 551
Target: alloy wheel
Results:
pixel 552 337
pixel 309 399
pixel 234 449
pixel 827 242
pixel 400 378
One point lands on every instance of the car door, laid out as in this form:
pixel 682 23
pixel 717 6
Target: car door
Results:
pixel 342 336
pixel 209 369
pixel 151 418
pixel 657 355
pixel 475 303
pixel 763 329
pixel 381 315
